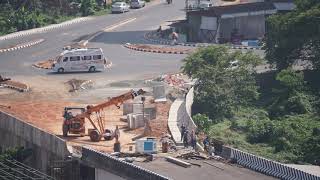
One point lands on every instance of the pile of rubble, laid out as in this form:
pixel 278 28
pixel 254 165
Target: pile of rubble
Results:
pixel 76 84
pixel 8 83
pixel 47 64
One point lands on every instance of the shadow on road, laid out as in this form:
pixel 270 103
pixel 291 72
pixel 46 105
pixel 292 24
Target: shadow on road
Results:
pixel 122 37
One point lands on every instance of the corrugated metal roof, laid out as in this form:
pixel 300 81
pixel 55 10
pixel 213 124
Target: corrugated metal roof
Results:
pixel 232 9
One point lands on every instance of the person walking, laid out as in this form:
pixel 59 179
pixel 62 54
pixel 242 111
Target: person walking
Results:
pixel 193 140
pixel 182 130
pixel 117 134
pixel 185 139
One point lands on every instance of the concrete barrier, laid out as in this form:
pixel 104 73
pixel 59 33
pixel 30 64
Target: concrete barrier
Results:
pixel 46 147
pixel 266 166
pixel 118 167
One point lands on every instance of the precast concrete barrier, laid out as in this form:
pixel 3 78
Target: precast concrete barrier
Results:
pixel 266 166
pixel 45 147
pixel 118 167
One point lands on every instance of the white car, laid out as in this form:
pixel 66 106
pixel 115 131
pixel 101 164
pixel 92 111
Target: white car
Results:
pixel 137 3
pixel 205 5
pixel 120 7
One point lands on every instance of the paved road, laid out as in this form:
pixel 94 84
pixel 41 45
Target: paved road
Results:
pixel 128 64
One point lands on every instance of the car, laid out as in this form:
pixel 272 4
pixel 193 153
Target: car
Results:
pixel 120 7
pixel 137 3
pixel 205 5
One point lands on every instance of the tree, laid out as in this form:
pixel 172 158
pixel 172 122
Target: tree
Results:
pixel 87 7
pixel 220 88
pixel 295 36
pixel 291 97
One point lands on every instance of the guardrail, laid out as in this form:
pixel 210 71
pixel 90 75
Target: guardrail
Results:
pixel 122 168
pixel 266 166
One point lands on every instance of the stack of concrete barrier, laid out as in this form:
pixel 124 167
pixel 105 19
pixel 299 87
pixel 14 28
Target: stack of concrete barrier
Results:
pixel 46 147
pixel 136 120
pixel 116 166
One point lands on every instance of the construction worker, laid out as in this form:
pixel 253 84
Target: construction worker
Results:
pixel 183 129
pixel 206 143
pixel 193 140
pixel 185 139
pixel 117 134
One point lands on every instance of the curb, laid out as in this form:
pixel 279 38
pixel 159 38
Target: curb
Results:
pixel 43 29
pixel 149 36
pixel 132 46
pixel 21 46
pixel 16 88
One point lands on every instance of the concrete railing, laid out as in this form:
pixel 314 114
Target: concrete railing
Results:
pixel 265 166
pixel 46 147
pixel 118 167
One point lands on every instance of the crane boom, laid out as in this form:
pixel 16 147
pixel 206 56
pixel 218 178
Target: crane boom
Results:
pixel 117 101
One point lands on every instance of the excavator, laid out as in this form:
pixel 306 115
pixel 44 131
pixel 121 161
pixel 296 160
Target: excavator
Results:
pixel 74 117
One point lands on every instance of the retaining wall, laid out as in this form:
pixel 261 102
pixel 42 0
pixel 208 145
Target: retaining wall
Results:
pixel 45 147
pixel 116 166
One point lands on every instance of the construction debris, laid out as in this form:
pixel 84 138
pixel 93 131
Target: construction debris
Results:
pixel 8 83
pixel 178 162
pixel 192 155
pixel 3 79
pixel 46 64
pixel 5 106
pixel 76 84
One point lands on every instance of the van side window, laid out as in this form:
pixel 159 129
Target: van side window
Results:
pixel 65 59
pixel 86 58
pixel 75 58
pixel 96 57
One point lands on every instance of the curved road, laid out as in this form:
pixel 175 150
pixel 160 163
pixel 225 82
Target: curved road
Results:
pixel 127 64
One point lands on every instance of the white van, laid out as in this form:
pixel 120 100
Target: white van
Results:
pixel 88 59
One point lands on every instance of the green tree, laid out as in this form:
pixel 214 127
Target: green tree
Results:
pixel 87 7
pixel 291 97
pixel 220 89
pixel 295 35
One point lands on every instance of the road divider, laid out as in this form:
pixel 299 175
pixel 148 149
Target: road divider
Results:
pixel 23 45
pixel 157 49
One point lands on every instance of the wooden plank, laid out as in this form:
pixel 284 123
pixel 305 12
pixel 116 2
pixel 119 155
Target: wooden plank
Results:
pixel 178 162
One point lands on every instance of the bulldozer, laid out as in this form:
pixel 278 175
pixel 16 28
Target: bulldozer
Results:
pixel 75 117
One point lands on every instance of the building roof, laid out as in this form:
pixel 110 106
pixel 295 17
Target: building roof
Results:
pixel 233 9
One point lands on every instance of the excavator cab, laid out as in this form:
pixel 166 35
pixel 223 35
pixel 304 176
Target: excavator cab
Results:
pixel 71 124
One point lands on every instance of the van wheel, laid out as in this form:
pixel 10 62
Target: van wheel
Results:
pixel 60 70
pixel 92 69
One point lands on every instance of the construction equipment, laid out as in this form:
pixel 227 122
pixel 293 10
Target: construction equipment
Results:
pixel 75 124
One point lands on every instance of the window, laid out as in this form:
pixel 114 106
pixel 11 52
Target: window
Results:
pixel 86 57
pixel 75 58
pixel 65 59
pixel 96 57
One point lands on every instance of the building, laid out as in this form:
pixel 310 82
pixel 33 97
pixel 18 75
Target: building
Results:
pixel 231 23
